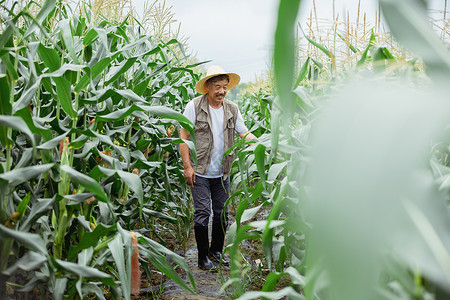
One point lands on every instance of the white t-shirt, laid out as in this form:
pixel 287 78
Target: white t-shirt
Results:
pixel 215 166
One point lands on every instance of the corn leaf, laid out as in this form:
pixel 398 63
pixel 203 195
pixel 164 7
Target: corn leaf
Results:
pixel 30 240
pixel 160 215
pixel 60 287
pixel 272 280
pixel 26 117
pixel 119 70
pixel 156 254
pixel 93 73
pixel 288 291
pixel 89 183
pixel 275 171
pixel 18 176
pixel 26 97
pixel 91 239
pixel 284 50
pixel 83 271
pixel 43 13
pixel 5 37
pixel 40 208
pixel 90 36
pixel 371 44
pixel 117 248
pixel 22 207
pixel 131 180
pixel 65 96
pixel 314 43
pixel 10 68
pixel 29 262
pixel 302 73
pixel 66 33
pixel 50 57
pixel 260 155
pixel 350 46
pixel 53 142
pixel 5 108
pixel 413 31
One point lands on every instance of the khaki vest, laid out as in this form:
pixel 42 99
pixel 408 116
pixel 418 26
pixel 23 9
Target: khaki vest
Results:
pixel 204 136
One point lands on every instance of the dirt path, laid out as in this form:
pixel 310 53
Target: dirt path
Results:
pixel 208 283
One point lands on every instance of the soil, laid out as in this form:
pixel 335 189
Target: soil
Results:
pixel 208 283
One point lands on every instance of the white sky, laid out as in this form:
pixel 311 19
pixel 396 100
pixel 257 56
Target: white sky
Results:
pixel 238 34
pixel 234 34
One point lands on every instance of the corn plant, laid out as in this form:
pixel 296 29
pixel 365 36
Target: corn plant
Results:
pixel 89 120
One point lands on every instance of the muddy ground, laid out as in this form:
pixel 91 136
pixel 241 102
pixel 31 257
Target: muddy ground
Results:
pixel 208 283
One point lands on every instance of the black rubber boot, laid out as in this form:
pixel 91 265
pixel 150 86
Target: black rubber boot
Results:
pixel 201 237
pixel 217 241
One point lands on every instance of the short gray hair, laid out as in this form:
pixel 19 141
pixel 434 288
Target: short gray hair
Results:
pixel 217 78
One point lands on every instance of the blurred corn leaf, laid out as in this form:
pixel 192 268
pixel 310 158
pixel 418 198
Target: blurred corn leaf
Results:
pixel 407 23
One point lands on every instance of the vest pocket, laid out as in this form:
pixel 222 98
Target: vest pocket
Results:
pixel 230 123
pixel 203 145
pixel 202 126
pixel 201 152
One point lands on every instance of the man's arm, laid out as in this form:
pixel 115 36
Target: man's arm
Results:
pixel 249 136
pixel 240 126
pixel 189 172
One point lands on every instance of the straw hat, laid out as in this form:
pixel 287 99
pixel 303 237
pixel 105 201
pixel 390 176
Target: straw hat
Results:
pixel 214 71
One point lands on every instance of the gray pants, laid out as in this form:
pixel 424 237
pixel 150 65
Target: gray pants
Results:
pixel 205 191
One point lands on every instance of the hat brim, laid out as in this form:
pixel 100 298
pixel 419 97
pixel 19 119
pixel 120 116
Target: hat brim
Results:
pixel 203 89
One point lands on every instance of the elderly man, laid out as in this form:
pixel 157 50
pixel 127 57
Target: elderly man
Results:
pixel 217 121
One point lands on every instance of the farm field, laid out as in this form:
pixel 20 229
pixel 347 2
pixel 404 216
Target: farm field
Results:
pixel 345 194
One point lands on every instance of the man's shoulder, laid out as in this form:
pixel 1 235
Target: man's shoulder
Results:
pixel 190 104
pixel 197 99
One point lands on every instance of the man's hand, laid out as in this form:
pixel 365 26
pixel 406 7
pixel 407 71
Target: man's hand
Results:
pixel 189 175
pixel 248 136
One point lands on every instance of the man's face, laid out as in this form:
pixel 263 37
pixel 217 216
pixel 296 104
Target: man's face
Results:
pixel 217 90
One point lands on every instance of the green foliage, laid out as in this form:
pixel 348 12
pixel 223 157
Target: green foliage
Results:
pixel 89 119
